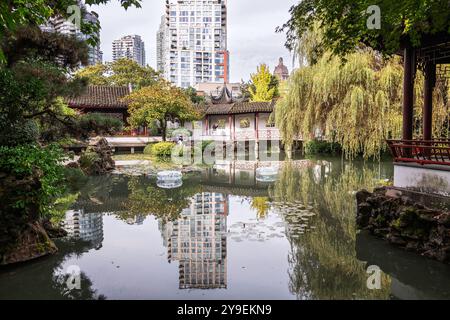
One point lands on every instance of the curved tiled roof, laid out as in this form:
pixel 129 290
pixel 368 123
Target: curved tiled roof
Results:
pixel 240 107
pixel 100 97
pixel 225 97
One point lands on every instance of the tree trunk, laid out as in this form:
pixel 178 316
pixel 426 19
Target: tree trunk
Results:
pixel 164 129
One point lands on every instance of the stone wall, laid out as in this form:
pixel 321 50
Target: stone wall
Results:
pixel 390 215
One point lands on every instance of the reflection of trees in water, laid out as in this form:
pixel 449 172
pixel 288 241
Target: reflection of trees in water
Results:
pixel 261 205
pixel 323 260
pixel 145 198
pixel 46 278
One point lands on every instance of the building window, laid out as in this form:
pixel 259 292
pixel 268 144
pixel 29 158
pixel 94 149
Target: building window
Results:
pixel 244 123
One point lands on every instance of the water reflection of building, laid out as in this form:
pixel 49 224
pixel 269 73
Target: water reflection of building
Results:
pixel 198 241
pixel 136 220
pixel 85 226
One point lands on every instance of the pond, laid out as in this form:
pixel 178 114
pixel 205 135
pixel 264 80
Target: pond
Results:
pixel 227 234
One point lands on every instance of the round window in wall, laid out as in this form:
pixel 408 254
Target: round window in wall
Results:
pixel 244 123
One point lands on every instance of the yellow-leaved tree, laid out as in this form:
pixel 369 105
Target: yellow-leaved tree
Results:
pixel 264 85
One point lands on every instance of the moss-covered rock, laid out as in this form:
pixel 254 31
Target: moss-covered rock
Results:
pixel 388 214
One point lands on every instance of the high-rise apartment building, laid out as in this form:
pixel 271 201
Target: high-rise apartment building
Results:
pixel 130 47
pixel 160 45
pixel 63 26
pixel 194 42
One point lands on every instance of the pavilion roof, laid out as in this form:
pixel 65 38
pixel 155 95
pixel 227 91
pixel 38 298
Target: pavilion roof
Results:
pixel 103 97
pixel 240 107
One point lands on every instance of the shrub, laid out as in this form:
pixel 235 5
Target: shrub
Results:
pixel 177 132
pixel 162 149
pixel 322 147
pixel 148 149
pixel 100 124
pixel 88 159
pixel 19 134
pixel 32 163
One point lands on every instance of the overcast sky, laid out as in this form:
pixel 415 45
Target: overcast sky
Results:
pixel 251 31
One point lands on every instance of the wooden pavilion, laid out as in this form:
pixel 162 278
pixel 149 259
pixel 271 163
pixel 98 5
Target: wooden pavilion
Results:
pixel 433 58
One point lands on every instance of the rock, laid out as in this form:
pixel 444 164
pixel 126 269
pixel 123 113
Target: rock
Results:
pixel 97 159
pixel 53 232
pixel 444 219
pixel 73 165
pixel 32 243
pixel 396 240
pixel 361 196
pixel 363 214
pixel 401 221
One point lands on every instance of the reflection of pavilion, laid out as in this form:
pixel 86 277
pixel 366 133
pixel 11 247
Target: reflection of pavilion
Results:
pixel 198 241
pixel 85 226
pixel 243 173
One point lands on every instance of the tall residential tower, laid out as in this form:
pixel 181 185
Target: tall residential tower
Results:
pixel 131 47
pixel 66 27
pixel 193 42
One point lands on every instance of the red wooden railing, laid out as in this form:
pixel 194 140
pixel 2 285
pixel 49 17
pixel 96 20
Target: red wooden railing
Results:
pixel 421 151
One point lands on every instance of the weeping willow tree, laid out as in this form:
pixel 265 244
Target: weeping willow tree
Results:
pixel 323 260
pixel 355 101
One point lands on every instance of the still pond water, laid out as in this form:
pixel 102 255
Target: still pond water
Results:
pixel 225 235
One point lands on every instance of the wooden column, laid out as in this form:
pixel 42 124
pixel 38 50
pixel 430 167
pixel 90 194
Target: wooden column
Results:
pixel 257 126
pixel 430 79
pixel 230 124
pixel 207 125
pixel 408 92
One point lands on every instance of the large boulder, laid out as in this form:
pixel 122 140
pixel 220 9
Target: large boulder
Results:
pixel 97 159
pixel 33 242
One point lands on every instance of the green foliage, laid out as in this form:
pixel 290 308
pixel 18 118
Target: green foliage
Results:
pixel 24 133
pixel 121 72
pixel 195 98
pixel 28 162
pixel 148 149
pixel 322 147
pixel 88 158
pixel 162 149
pixel 15 14
pixel 263 85
pixel 160 103
pixel 357 104
pixel 100 124
pixel 344 23
pixel 31 86
pixel 74 178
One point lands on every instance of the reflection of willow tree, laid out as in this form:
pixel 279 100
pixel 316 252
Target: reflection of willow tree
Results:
pixel 324 263
pixel 261 205
pixel 166 204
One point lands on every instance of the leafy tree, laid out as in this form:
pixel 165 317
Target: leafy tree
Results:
pixel 120 73
pixel 344 23
pixel 263 85
pixel 31 84
pixel 159 103
pixel 357 104
pixel 193 95
pixel 18 13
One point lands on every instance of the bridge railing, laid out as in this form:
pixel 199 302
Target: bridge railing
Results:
pixel 421 151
